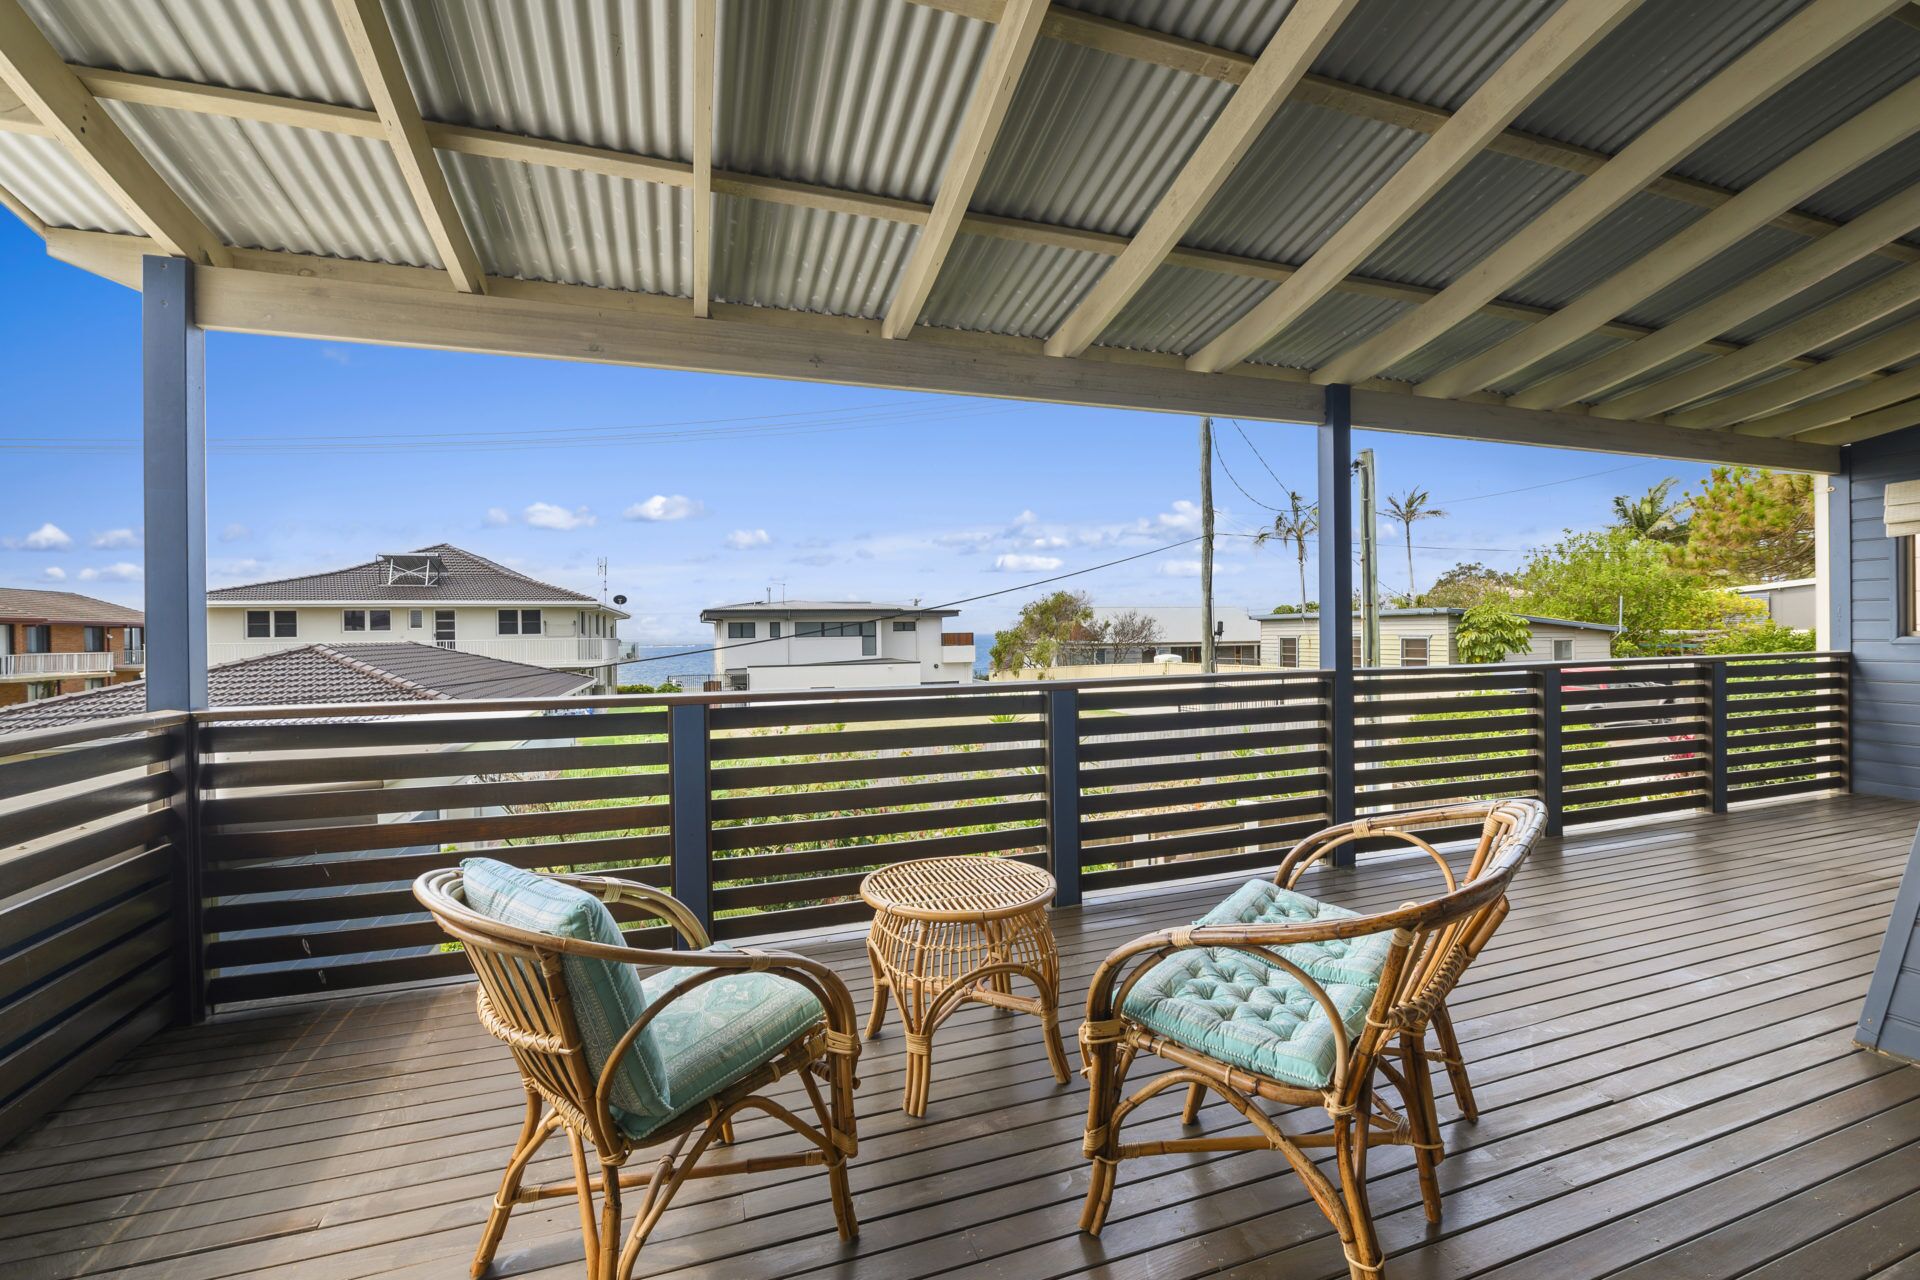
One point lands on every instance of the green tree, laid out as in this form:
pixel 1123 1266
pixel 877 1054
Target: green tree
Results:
pixel 1598 577
pixel 1490 631
pixel 1406 510
pixel 1300 521
pixel 1761 637
pixel 1652 516
pixel 1044 628
pixel 1468 584
pixel 1752 526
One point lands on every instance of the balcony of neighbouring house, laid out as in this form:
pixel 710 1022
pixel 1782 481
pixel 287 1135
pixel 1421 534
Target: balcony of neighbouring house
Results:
pixel 42 666
pixel 539 651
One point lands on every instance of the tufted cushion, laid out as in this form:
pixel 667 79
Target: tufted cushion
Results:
pixel 607 997
pixel 720 1031
pixel 1354 960
pixel 1234 1007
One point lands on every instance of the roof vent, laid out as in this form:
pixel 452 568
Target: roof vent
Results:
pixel 414 570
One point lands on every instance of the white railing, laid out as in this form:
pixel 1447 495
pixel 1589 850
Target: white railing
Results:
pixel 539 651
pixel 133 657
pixel 55 664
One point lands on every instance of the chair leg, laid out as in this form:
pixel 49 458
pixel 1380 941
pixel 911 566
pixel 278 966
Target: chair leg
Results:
pixel 1364 1259
pixel 1107 1069
pixel 583 1188
pixel 1456 1065
pixel 1421 1118
pixel 533 1135
pixel 1191 1111
pixel 609 1220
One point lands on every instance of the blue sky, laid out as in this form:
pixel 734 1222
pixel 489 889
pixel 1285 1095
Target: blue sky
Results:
pixel 697 489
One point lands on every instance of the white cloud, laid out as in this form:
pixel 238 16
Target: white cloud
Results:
pixel 48 537
pixel 339 355
pixel 1025 564
pixel 742 539
pixel 665 506
pixel 110 538
pixel 245 569
pixel 54 573
pixel 817 559
pixel 496 518
pixel 544 515
pixel 235 532
pixel 1184 518
pixel 1191 568
pixel 122 572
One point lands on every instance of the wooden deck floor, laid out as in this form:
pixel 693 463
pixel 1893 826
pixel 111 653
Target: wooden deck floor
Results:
pixel 1661 1038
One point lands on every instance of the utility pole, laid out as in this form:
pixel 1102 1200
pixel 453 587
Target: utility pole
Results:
pixel 1206 546
pixel 1369 563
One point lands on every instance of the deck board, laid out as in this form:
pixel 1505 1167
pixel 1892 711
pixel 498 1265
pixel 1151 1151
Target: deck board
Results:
pixel 1661 1037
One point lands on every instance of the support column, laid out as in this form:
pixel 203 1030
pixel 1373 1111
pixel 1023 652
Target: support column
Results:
pixel 1336 599
pixel 173 363
pixel 691 814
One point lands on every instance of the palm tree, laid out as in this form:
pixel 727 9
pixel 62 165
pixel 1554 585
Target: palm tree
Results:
pixel 1300 521
pixel 1651 516
pixel 1406 510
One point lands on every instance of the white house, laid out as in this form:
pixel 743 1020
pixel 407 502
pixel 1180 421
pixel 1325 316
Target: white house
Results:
pixel 1176 630
pixel 1427 638
pixel 440 595
pixel 836 644
pixel 1793 603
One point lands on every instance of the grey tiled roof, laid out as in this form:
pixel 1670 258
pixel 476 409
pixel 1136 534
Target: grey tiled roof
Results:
pixel 21 604
pixel 468 577
pixel 788 608
pixel 320 673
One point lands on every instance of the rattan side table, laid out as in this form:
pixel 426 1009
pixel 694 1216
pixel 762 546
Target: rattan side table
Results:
pixel 951 930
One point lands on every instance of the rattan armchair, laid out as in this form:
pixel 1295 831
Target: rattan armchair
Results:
pixel 524 1001
pixel 1211 975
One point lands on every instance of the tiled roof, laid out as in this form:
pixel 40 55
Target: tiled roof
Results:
pixel 874 609
pixel 21 604
pixel 320 673
pixel 467 577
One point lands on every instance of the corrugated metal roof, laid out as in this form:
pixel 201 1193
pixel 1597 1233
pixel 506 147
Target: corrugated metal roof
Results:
pixel 1750 255
pixel 1329 326
pixel 806 259
pixel 1180 308
pixel 1005 286
pixel 1485 204
pixel 1841 282
pixel 1571 356
pixel 1245 25
pixel 1462 342
pixel 48 181
pixel 1642 223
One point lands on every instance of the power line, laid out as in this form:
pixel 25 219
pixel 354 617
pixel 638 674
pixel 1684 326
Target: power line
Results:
pixel 1548 484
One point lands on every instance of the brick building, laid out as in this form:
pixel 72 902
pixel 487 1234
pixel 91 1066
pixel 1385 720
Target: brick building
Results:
pixel 55 642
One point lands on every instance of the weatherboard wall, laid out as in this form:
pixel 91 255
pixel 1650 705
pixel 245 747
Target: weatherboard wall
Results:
pixel 1886 674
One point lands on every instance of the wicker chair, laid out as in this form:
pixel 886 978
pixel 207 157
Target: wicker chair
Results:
pixel 526 1001
pixel 1235 1009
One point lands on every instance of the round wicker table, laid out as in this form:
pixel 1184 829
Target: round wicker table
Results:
pixel 951 930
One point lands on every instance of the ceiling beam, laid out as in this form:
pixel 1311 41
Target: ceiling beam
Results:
pixel 1822 162
pixel 1888 220
pixel 1559 43
pixel 1014 38
pixel 371 41
pixel 1893 418
pixel 1794 46
pixel 61 105
pixel 1836 408
pixel 1305 31
pixel 1829 324
pixel 1890 348
pixel 706 21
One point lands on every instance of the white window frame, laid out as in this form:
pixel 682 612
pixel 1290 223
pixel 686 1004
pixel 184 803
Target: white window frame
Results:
pixel 1426 651
pixel 1558 646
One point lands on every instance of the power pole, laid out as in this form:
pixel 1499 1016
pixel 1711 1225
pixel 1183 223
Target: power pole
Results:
pixel 1206 546
pixel 1369 564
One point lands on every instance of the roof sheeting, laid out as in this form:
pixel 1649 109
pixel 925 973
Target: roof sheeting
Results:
pixel 23 604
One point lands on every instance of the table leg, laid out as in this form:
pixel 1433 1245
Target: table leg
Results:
pixel 880 991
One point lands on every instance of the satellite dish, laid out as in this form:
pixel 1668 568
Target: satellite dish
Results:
pixel 619 599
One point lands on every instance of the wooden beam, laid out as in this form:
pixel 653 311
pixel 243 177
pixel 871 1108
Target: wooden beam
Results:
pixel 1559 42
pixel 1893 418
pixel 17 207
pixel 1886 221
pixel 33 70
pixel 1822 162
pixel 301 296
pixel 371 41
pixel 1013 42
pixel 1829 324
pixel 1792 48
pixel 1813 415
pixel 1307 28
pixel 1869 358
pixel 706 20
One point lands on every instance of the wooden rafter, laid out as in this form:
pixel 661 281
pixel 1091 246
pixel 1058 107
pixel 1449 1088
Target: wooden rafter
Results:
pixel 1012 45
pixel 706 19
pixel 378 58
pixel 1304 32
pixel 1886 221
pixel 1559 43
pixel 1888 121
pixel 61 105
pixel 1836 408
pixel 1829 324
pixel 1791 49
pixel 1890 348
pixel 1895 417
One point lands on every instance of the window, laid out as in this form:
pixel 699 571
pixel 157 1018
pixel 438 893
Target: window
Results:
pixel 443 628
pixel 259 624
pixel 1289 651
pixel 519 622
pixel 379 620
pixel 368 620
pixel 908 625
pixel 1356 648
pixel 1563 651
pixel 1907 550
pixel 285 623
pixel 354 620
pixel 1413 651
pixel 834 629
pixel 96 682
pixel 38 689
pixel 739 631
pixel 39 639
pixel 414 619
pixel 95 639
pixel 773 630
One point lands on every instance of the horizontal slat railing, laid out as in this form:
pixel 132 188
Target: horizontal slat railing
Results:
pixel 765 810
pixel 90 951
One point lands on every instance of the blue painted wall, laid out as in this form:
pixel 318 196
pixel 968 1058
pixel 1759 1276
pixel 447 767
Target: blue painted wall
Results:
pixel 1886 688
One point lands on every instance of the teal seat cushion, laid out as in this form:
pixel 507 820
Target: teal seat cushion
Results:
pixel 1234 1007
pixel 1349 960
pixel 720 1032
pixel 607 997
